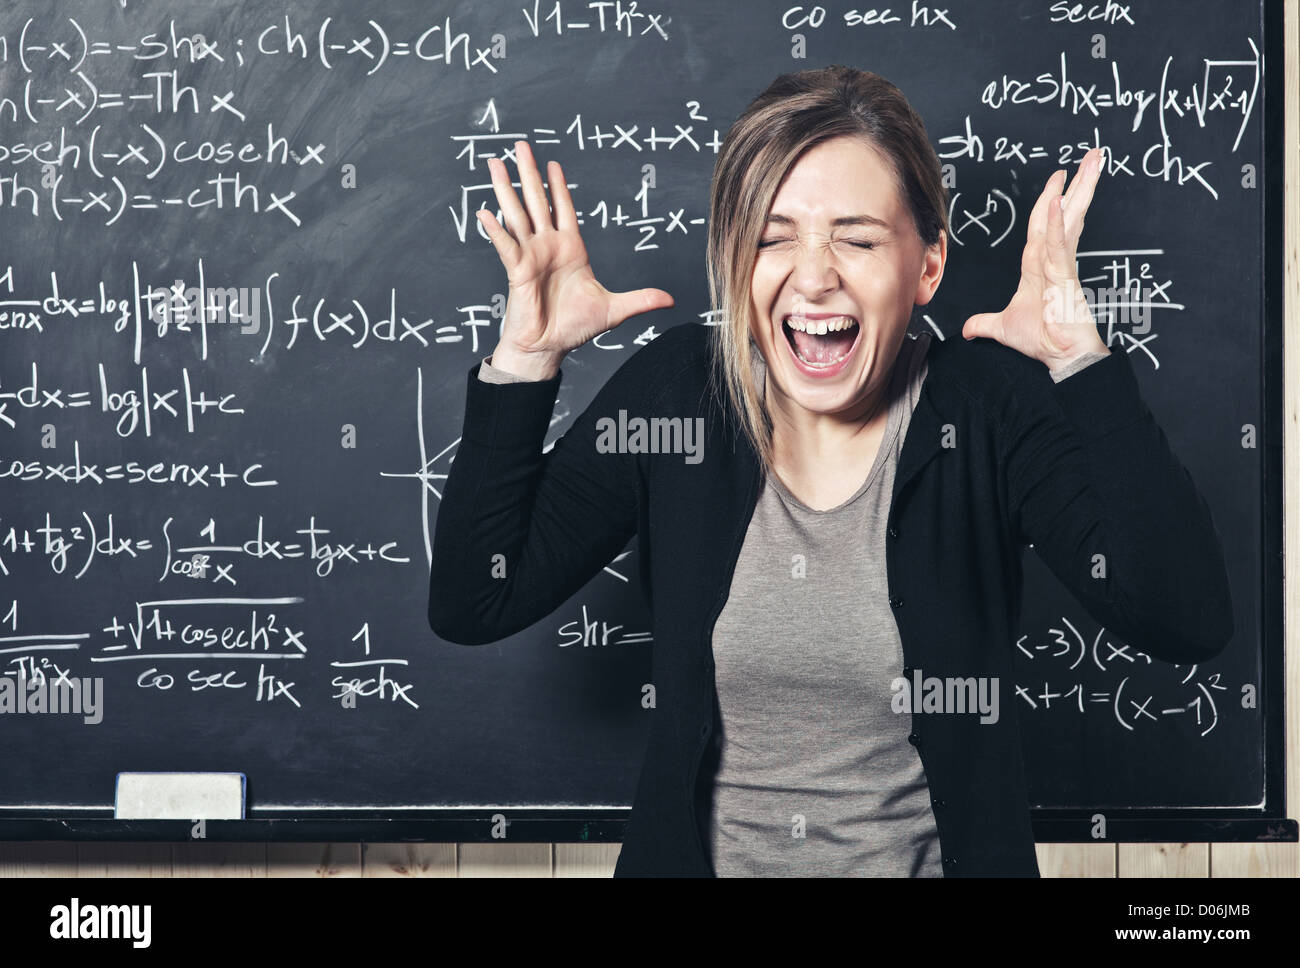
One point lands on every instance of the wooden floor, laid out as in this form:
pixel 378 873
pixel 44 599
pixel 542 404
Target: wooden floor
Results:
pixel 53 859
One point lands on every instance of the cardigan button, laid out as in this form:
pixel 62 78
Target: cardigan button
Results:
pixel 937 802
pixel 704 730
pixel 893 531
pixel 907 671
pixel 914 739
pixel 896 603
pixel 950 863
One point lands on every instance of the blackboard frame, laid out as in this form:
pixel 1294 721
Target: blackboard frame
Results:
pixel 1267 823
pixel 578 825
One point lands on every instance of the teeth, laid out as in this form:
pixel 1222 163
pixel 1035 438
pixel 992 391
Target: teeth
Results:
pixel 820 327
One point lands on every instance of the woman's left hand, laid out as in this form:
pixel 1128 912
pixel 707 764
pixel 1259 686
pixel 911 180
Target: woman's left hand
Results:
pixel 1048 318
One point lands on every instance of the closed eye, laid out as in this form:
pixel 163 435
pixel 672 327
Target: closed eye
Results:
pixel 856 243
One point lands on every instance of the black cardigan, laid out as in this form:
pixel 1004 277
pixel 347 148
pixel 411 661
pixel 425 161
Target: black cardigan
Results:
pixel 996 457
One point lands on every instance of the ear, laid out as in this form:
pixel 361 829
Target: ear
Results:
pixel 934 258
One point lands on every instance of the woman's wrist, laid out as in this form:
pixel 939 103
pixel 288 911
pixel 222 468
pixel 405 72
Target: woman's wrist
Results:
pixel 525 365
pixel 1067 361
pixel 1088 342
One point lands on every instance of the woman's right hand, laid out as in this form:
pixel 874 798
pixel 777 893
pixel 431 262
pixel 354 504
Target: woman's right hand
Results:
pixel 555 303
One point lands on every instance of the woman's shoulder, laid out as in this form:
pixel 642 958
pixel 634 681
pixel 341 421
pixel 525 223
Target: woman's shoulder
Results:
pixel 683 341
pixel 675 359
pixel 983 368
pixel 676 354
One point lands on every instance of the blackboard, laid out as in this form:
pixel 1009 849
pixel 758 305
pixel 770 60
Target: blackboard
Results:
pixel 242 288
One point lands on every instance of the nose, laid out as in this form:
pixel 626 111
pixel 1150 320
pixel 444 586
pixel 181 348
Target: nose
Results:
pixel 813 275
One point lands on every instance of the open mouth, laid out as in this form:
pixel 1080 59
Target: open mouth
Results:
pixel 821 343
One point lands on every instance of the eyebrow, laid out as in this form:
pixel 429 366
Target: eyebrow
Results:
pixel 842 220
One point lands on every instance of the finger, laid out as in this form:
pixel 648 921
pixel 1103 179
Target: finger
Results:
pixel 507 248
pixel 982 324
pixel 625 304
pixel 1031 262
pixel 516 217
pixel 1038 217
pixel 534 192
pixel 1059 252
pixel 566 217
pixel 1085 181
pixel 1083 165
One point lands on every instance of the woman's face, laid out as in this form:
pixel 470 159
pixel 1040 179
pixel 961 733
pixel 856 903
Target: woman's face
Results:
pixel 839 267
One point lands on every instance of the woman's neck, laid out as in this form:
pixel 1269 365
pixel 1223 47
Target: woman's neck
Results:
pixel 824 458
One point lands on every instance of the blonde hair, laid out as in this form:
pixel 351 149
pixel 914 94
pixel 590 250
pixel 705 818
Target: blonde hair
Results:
pixel 794 113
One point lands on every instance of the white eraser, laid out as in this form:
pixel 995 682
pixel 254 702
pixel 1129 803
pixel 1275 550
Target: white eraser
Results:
pixel 179 796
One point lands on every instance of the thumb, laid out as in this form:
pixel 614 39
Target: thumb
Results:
pixel 625 304
pixel 981 324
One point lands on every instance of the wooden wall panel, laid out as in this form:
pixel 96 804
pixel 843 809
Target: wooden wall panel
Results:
pixel 408 860
pixel 506 860
pixel 586 860
pixel 1164 860
pixel 313 860
pixel 1077 860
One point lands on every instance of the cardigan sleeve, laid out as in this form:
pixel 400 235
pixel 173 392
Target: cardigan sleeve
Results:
pixel 1087 359
pixel 490 374
pixel 1097 490
pixel 518 530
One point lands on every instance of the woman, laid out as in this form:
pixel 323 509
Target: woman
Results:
pixel 852 531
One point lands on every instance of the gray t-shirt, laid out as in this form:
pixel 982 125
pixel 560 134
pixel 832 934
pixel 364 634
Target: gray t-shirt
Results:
pixel 815 776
